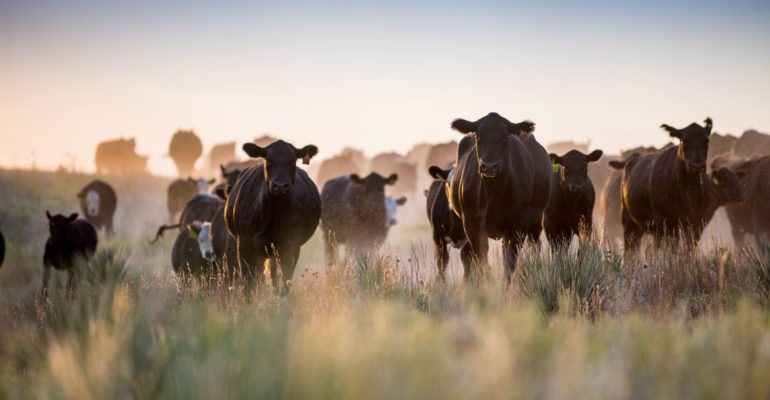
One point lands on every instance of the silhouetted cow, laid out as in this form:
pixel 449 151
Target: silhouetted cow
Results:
pixel 118 156
pixel 181 191
pixel 185 148
pixel 98 202
pixel 353 213
pixel 752 216
pixel 273 209
pixel 570 210
pixel 446 225
pixel 220 154
pixel 664 192
pixel 394 162
pixel 348 161
pixel 501 186
pixel 752 144
pixel 69 239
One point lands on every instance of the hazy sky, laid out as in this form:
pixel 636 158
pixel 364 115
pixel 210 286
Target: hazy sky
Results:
pixel 380 76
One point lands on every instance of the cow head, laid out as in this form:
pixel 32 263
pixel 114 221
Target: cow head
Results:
pixel 391 205
pixel 202 233
pixel 91 201
pixel 370 197
pixel 573 168
pixel 59 225
pixel 727 185
pixel 694 144
pixel 493 135
pixel 231 178
pixel 280 163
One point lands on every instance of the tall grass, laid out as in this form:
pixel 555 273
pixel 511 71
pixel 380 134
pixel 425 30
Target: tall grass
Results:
pixel 575 325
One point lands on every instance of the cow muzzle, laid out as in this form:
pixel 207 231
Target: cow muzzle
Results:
pixel 490 170
pixel 279 187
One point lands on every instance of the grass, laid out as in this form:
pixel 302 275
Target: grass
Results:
pixel 574 325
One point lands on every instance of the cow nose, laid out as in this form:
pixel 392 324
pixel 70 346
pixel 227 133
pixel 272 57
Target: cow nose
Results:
pixel 489 169
pixel 280 187
pixel 209 255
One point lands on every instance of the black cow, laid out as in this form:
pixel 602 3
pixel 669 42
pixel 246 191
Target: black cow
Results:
pixel 353 213
pixel 752 216
pixel 98 202
pixel 664 192
pixel 69 239
pixel 181 191
pixel 501 186
pixel 570 210
pixel 447 226
pixel 273 209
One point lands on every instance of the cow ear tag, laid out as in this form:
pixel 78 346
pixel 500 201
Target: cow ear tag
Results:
pixel 716 181
pixel 555 166
pixel 193 235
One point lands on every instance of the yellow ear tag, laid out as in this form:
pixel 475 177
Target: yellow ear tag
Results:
pixel 193 235
pixel 555 166
pixel 716 181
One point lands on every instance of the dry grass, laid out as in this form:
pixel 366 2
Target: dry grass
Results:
pixel 572 326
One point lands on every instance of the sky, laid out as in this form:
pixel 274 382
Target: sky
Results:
pixel 381 76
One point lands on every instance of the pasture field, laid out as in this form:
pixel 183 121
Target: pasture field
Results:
pixel 570 326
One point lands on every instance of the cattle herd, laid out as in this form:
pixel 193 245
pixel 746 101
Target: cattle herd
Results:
pixel 497 183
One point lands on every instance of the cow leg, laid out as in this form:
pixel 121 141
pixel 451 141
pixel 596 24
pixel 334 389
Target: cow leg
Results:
pixel 632 234
pixel 478 242
pixel 466 256
pixel 442 255
pixel 287 259
pixel 71 283
pixel 46 275
pixel 331 248
pixel 511 245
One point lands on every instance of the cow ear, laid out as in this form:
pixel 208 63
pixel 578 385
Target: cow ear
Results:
pixel 306 153
pixel 73 217
pixel 594 156
pixel 254 151
pixel 522 129
pixel 401 201
pixel 356 179
pixel 391 179
pixel 740 174
pixel 464 126
pixel 438 173
pixel 707 123
pixel 556 159
pixel 195 226
pixel 210 181
pixel 81 195
pixel 222 168
pixel 48 214
pixel 616 164
pixel 673 132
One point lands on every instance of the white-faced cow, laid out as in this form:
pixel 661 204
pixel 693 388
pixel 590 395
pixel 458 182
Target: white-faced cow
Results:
pixel 501 186
pixel 273 209
pixel 98 202
pixel 70 239
pixel 354 213
pixel 570 210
